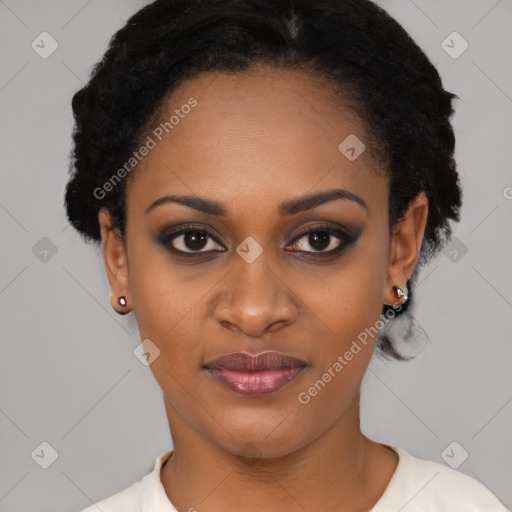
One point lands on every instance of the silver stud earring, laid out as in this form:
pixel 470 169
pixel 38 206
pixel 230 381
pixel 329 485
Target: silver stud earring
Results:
pixel 122 301
pixel 400 293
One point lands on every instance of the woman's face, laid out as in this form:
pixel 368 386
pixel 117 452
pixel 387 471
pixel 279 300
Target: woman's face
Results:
pixel 254 147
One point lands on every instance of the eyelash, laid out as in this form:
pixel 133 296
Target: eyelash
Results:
pixel 346 239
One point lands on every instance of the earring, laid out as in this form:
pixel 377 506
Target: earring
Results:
pixel 400 293
pixel 122 301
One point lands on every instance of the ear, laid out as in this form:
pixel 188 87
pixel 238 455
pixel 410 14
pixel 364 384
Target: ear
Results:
pixel 116 264
pixel 405 247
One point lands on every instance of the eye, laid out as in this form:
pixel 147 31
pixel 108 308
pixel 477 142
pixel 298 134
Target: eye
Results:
pixel 322 239
pixel 190 239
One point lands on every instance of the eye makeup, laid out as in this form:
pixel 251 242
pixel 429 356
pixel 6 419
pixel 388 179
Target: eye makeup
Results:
pixel 193 241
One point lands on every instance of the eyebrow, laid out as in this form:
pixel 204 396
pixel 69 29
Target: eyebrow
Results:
pixel 289 207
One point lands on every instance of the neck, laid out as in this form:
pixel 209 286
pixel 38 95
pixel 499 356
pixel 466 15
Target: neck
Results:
pixel 342 468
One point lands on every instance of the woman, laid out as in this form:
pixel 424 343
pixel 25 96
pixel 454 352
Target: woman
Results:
pixel 266 178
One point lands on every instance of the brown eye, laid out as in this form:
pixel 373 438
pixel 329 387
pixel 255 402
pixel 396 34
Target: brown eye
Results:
pixel 319 240
pixel 194 240
pixel 322 240
pixel 190 240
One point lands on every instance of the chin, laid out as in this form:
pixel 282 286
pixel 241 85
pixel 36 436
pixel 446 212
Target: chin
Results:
pixel 266 439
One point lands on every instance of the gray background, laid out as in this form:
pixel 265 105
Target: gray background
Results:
pixel 68 374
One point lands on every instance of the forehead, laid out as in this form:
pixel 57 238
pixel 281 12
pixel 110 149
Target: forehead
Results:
pixel 263 132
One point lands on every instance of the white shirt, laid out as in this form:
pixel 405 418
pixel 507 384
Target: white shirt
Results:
pixel 417 485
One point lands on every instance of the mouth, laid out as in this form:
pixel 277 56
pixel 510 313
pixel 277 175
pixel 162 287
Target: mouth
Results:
pixel 255 374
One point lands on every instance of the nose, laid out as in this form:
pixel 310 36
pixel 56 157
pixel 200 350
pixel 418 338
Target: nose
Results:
pixel 254 299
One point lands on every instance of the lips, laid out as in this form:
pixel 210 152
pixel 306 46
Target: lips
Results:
pixel 243 362
pixel 255 374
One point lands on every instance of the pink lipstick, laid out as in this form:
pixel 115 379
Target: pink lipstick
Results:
pixel 255 374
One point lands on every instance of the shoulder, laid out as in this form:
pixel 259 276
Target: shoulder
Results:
pixel 126 500
pixel 428 486
pixel 146 494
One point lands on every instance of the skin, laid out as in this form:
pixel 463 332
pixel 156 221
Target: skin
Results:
pixel 253 141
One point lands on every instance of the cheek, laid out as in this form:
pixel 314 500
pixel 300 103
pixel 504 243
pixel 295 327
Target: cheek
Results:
pixel 161 291
pixel 167 303
pixel 345 300
pixel 343 349
pixel 346 307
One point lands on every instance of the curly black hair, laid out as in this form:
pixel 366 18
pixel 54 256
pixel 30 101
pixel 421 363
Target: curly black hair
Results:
pixel 361 50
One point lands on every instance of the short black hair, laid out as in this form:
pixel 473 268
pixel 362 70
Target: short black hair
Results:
pixel 355 44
